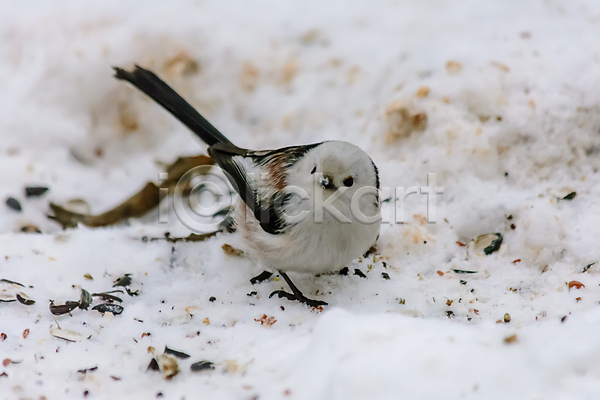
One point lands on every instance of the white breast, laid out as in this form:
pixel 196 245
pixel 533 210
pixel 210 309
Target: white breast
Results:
pixel 309 246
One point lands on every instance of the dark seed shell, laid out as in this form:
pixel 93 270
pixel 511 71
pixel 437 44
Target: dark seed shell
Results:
pixel 178 354
pixel 463 271
pixel 488 243
pixel 125 280
pixel 86 370
pixel 85 299
pixel 30 229
pixel 570 196
pixel 358 272
pixel 106 296
pixel 344 271
pixel 263 276
pixel 7 301
pixel 494 246
pixel 132 292
pixel 202 365
pixel 587 267
pixel 24 299
pixel 35 191
pixel 12 282
pixel 13 203
pixel 109 307
pixel 63 308
pixel 385 275
pixel 153 366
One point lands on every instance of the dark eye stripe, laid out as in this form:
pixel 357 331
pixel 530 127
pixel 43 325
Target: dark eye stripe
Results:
pixel 349 181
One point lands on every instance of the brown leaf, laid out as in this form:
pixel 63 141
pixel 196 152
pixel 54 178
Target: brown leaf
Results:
pixel 134 207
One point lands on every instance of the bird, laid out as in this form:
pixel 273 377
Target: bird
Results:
pixel 310 208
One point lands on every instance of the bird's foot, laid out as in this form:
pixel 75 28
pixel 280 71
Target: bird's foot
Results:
pixel 298 297
pixel 263 276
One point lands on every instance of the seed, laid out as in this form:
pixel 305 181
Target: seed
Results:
pixel 35 191
pixel 14 204
pixel 202 365
pixel 24 299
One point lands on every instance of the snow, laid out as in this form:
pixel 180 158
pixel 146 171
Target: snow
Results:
pixel 515 125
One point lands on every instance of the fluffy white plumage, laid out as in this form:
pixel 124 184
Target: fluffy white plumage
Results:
pixel 309 245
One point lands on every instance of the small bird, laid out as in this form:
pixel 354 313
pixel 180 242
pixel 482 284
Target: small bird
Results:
pixel 310 208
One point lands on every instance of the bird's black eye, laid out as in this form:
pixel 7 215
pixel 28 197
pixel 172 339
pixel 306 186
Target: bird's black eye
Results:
pixel 349 181
pixel 313 170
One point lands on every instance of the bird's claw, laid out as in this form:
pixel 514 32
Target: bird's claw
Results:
pixel 300 298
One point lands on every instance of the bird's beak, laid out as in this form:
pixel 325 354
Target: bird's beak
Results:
pixel 326 182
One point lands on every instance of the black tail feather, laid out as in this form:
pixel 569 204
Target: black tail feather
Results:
pixel 164 95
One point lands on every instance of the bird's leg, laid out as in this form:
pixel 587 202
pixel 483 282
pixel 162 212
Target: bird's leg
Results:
pixel 296 293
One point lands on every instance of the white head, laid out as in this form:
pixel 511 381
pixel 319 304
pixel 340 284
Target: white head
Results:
pixel 337 165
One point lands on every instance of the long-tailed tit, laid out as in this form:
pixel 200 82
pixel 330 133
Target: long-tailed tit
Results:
pixel 310 208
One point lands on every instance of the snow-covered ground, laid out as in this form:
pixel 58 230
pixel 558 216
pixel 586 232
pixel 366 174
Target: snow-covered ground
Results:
pixel 511 93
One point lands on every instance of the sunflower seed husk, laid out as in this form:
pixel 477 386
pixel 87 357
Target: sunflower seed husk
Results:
pixel 85 299
pixel 14 204
pixel 125 280
pixel 168 366
pixel 178 354
pixel 66 334
pixel 463 271
pixel 60 309
pixel 263 276
pixel 153 366
pixel 24 299
pixel 115 309
pixel 35 191
pixel 487 244
pixel 358 272
pixel 202 365
pixel 12 282
pixel 106 296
